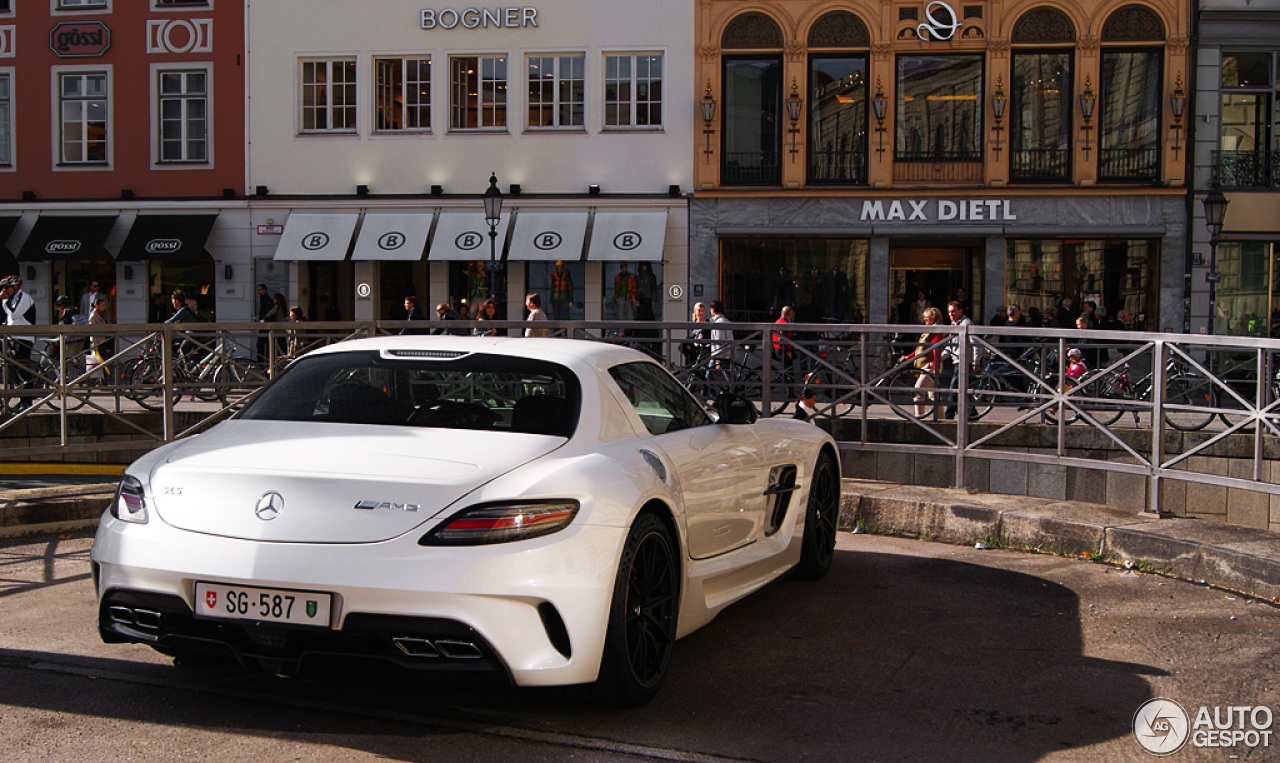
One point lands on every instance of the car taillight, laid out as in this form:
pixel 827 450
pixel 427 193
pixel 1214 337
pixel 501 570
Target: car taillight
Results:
pixel 502 523
pixel 131 501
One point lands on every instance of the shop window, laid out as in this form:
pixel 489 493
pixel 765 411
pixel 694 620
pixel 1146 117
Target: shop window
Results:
pixel 633 91
pixel 1249 155
pixel 557 91
pixel 72 278
pixel 1248 298
pixel 329 95
pixel 561 286
pixel 84 107
pixel 1114 274
pixel 1040 117
pixel 403 93
pixel 823 279
pixel 751 125
pixel 196 279
pixel 396 281
pixel 837 145
pixel 183 98
pixel 939 113
pixel 478 92
pixel 469 286
pixel 623 281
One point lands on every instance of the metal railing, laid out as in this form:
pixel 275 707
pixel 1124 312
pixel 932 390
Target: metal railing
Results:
pixel 751 168
pixel 1167 405
pixel 1258 169
pixel 1039 165
pixel 1129 165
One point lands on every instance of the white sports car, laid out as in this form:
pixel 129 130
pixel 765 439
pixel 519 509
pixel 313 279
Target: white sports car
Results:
pixel 552 510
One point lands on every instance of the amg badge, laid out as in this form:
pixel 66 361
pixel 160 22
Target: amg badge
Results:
pixel 370 505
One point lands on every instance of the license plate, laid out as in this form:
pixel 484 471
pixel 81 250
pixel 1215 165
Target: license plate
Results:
pixel 271 605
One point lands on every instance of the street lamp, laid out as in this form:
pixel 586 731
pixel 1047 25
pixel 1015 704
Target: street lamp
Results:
pixel 998 102
pixel 794 103
pixel 879 102
pixel 1087 102
pixel 708 106
pixel 492 216
pixel 1215 213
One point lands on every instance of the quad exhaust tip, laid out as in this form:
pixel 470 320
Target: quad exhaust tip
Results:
pixel 142 619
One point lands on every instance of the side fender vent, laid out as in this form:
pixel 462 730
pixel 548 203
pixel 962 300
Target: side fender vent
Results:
pixel 782 485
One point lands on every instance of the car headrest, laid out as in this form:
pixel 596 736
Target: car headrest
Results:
pixel 538 414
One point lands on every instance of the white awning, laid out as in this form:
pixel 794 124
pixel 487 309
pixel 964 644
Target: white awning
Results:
pixel 630 236
pixel 465 236
pixel 392 237
pixel 316 237
pixel 548 236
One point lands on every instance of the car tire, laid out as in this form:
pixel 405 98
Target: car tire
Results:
pixel 642 617
pixel 821 519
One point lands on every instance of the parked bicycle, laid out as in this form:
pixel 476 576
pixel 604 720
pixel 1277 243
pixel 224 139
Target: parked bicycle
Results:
pixel 213 376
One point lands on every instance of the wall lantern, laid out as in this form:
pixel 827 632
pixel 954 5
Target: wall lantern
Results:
pixel 708 105
pixel 1087 102
pixel 878 104
pixel 794 102
pixel 998 102
pixel 1215 214
pixel 1178 103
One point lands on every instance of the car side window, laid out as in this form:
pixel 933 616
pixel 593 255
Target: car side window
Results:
pixel 662 403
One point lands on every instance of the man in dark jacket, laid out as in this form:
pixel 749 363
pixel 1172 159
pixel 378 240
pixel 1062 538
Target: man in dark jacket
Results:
pixel 265 304
pixel 412 313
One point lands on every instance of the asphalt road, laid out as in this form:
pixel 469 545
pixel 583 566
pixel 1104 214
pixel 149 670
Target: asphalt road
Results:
pixel 908 650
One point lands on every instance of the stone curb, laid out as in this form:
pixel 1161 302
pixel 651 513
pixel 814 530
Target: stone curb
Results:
pixel 1236 558
pixel 54 509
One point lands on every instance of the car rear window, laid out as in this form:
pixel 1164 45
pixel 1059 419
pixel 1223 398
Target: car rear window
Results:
pixel 474 391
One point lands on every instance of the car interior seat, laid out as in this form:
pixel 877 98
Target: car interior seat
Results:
pixel 356 403
pixel 538 414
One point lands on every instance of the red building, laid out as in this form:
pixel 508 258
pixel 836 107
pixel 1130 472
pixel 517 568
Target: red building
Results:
pixel 121 145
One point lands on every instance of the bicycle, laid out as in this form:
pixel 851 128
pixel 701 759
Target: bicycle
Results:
pixel 44 382
pixel 214 376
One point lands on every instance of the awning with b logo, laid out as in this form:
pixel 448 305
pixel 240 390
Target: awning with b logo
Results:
pixel 465 236
pixel 67 237
pixel 629 236
pixel 392 237
pixel 167 238
pixel 548 236
pixel 316 237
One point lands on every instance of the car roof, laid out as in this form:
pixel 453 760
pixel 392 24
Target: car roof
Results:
pixel 566 351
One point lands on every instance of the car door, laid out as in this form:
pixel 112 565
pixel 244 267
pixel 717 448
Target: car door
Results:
pixel 714 469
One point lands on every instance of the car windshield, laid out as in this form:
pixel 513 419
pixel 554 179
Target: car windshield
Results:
pixel 420 389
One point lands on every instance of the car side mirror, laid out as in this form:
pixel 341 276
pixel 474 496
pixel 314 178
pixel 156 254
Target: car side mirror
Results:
pixel 733 409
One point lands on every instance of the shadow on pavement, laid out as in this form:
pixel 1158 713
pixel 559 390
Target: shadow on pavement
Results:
pixel 890 656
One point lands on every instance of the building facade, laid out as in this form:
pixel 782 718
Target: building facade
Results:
pixel 1237 151
pixel 122 150
pixel 374 130
pixel 859 157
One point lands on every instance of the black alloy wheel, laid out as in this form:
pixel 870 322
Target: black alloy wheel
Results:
pixel 821 520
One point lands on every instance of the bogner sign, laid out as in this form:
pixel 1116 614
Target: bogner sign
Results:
pixel 479 18
pixel 937 210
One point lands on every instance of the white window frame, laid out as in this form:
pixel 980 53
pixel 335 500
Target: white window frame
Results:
pixel 6 12
pixel 157 160
pixel 632 80
pixel 559 79
pixel 55 83
pixel 503 59
pixel 10 73
pixel 57 7
pixel 405 85
pixel 329 108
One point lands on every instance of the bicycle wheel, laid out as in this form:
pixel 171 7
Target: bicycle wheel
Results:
pixel 229 379
pixel 1190 394
pixel 78 394
pixel 146 385
pixel 909 390
pixel 985 395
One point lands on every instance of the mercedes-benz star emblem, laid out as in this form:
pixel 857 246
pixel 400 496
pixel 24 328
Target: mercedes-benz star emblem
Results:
pixel 269 506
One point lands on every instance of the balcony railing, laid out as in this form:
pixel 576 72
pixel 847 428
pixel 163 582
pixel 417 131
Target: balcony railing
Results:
pixel 751 168
pixel 938 166
pixel 1040 165
pixel 838 167
pixel 1128 165
pixel 1247 169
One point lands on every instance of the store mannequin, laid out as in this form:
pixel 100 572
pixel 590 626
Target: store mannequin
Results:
pixel 647 282
pixel 477 283
pixel 624 288
pixel 561 292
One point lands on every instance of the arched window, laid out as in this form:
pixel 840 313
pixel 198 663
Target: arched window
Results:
pixel 838 99
pixel 1129 84
pixel 751 121
pixel 1040 97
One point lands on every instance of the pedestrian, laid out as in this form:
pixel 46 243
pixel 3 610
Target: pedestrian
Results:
pixel 103 344
pixel 89 298
pixel 19 310
pixel 279 314
pixel 488 312
pixel 927 357
pixel 181 314
pixel 783 347
pixel 533 303
pixel 446 313
pixel 265 306
pixel 412 313
pixel 807 405
pixel 721 337
pixel 951 358
pixel 695 348
pixel 296 335
pixel 1076 368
